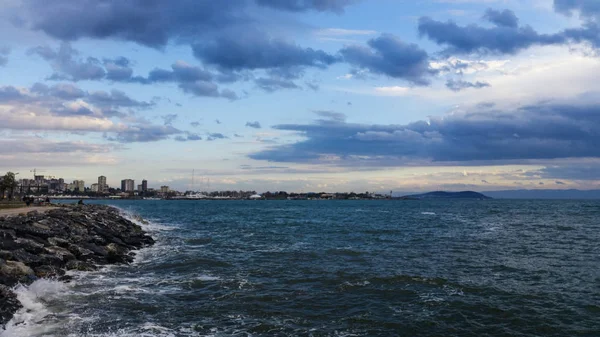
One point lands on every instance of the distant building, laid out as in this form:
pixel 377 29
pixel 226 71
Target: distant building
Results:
pixel 102 187
pixel 95 187
pixel 164 189
pixel 78 185
pixel 144 185
pixel 140 189
pixel 127 185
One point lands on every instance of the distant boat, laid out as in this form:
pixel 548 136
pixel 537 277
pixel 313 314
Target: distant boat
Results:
pixel 150 198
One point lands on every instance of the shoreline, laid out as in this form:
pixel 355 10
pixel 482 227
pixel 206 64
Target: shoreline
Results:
pixel 46 244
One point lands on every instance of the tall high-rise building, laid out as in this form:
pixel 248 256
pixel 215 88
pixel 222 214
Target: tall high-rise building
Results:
pixel 102 187
pixel 79 185
pixel 144 185
pixel 127 185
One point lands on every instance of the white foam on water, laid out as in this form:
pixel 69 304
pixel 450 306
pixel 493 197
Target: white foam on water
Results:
pixel 207 278
pixel 428 213
pixel 147 329
pixel 356 284
pixel 146 224
pixel 31 319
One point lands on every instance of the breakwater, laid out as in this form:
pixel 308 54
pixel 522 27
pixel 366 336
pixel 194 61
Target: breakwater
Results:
pixel 81 237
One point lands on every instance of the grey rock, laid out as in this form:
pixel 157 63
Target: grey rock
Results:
pixel 30 245
pixel 58 242
pixel 9 304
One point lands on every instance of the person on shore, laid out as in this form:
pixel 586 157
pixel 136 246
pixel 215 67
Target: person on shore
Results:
pixel 47 201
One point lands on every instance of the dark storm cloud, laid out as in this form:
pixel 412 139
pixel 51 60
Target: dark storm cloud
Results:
pixel 151 23
pixel 458 85
pixel 505 18
pixel 388 55
pixel 68 66
pixel 221 33
pixel 250 50
pixel 474 38
pixel 255 125
pixel 304 5
pixel 544 131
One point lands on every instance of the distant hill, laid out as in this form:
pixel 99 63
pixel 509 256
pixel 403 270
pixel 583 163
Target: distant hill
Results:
pixel 545 194
pixel 448 195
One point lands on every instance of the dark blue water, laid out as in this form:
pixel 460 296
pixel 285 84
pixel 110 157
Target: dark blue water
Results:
pixel 343 268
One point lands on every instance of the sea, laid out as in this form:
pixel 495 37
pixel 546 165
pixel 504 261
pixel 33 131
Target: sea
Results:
pixel 337 268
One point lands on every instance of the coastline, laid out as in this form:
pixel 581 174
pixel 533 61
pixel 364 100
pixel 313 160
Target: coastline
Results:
pixel 46 244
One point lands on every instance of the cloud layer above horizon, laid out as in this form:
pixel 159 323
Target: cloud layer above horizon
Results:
pixel 232 84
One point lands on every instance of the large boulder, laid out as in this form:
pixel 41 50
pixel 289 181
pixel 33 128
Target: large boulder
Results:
pixel 13 272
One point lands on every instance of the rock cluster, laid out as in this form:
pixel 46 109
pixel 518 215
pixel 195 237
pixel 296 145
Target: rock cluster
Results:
pixel 80 237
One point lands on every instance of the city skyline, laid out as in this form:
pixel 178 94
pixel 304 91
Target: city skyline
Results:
pixel 303 95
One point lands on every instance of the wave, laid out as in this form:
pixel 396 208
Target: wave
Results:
pixel 31 320
pixel 42 313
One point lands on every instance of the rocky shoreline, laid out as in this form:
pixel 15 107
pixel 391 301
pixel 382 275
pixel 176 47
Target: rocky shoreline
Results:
pixel 71 237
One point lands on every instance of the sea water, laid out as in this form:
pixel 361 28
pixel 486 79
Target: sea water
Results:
pixel 338 268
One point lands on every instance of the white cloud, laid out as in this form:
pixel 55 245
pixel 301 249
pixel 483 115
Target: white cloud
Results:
pixel 18 119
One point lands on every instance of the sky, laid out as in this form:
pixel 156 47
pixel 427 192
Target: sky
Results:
pixel 303 95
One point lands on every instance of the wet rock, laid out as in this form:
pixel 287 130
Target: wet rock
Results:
pixel 47 271
pixel 80 265
pixel 79 237
pixel 58 242
pixel 27 258
pixel 97 250
pixel 60 252
pixel 12 272
pixel 9 304
pixel 30 245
